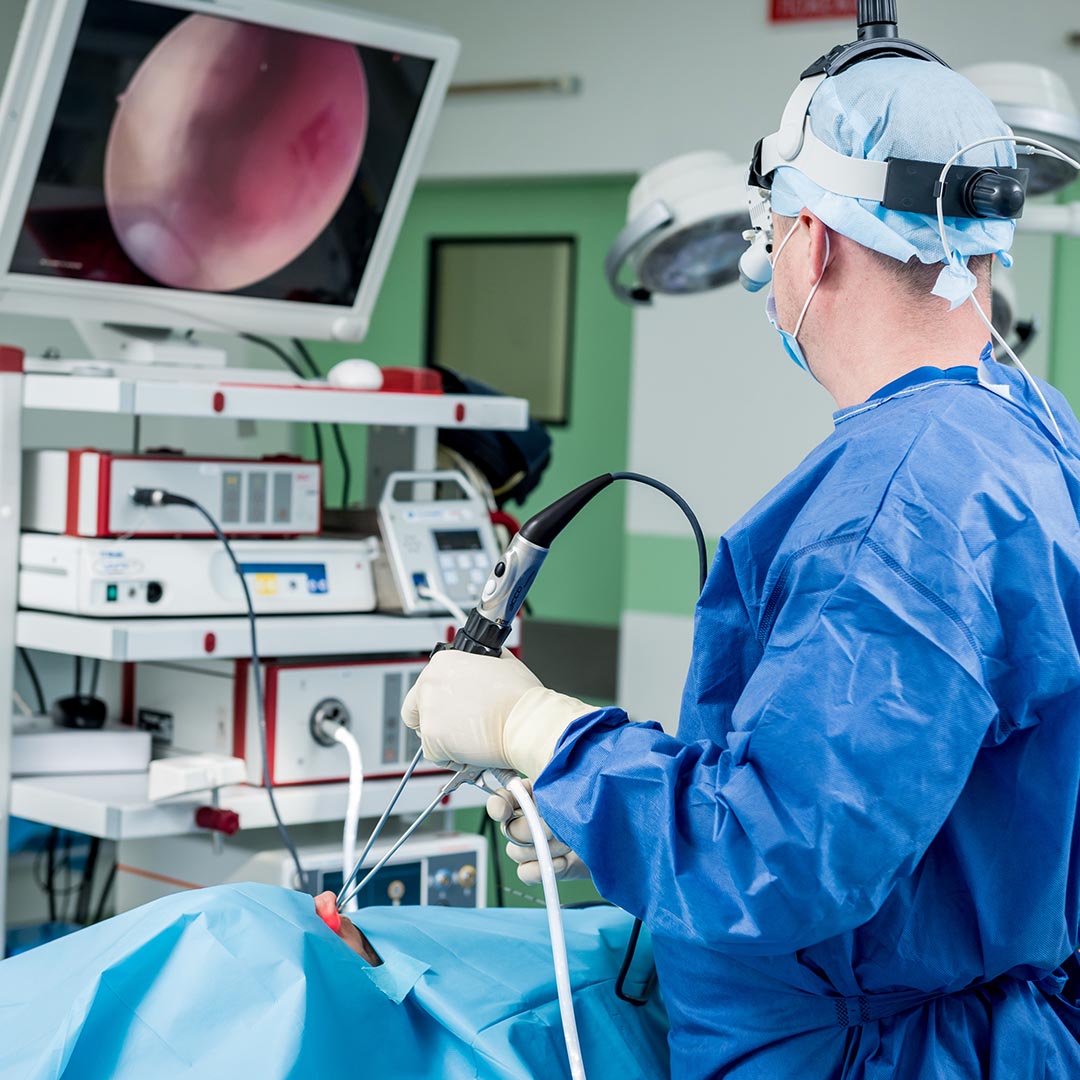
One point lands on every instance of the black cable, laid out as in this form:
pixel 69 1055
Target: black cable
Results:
pixel 82 906
pixel 278 351
pixel 34 680
pixel 99 911
pixel 95 676
pixel 294 367
pixel 157 497
pixel 309 360
pixel 50 872
pixel 703 573
pixel 335 429
pixel 628 959
pixel 684 506
pixel 78 675
pixel 65 864
pixel 487 826
pixel 500 896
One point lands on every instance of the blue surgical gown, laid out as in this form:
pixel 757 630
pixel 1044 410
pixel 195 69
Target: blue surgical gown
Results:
pixel 859 856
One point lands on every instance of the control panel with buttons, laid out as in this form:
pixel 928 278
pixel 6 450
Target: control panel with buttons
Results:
pixel 437 535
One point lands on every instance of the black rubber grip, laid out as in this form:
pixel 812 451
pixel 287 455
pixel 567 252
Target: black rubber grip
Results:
pixel 877 11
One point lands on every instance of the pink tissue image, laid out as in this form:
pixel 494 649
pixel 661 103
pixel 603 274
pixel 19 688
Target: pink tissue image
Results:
pixel 231 151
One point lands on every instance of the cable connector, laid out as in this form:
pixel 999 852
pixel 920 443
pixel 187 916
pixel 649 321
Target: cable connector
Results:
pixel 147 496
pixel 160 497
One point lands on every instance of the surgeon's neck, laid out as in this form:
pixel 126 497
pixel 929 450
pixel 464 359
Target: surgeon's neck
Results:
pixel 870 333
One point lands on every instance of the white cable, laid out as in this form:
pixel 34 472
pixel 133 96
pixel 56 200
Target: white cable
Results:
pixel 377 831
pixel 428 592
pixel 352 811
pixel 555 925
pixel 1036 147
pixel 21 705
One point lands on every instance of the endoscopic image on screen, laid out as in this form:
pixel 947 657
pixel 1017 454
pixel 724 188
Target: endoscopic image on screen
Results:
pixel 202 153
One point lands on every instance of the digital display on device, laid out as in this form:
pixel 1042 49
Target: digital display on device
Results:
pixel 206 154
pixel 458 540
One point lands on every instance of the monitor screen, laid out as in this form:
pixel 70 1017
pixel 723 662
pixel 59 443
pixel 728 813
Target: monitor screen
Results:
pixel 206 154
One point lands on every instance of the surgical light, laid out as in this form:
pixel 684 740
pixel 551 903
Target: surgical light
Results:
pixel 684 231
pixel 1036 104
pixel 1004 313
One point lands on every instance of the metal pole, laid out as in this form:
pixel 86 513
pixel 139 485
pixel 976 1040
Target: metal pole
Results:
pixel 11 393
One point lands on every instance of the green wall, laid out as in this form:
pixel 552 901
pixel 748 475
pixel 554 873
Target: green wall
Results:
pixel 582 581
pixel 1065 332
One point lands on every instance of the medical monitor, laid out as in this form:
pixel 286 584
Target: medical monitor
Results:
pixel 240 166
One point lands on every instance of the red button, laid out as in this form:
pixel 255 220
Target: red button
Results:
pixel 209 643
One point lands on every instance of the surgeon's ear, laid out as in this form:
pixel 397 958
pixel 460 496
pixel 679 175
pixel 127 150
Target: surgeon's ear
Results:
pixel 818 251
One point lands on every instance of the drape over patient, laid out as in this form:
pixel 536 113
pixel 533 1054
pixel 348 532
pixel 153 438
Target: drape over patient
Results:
pixel 246 981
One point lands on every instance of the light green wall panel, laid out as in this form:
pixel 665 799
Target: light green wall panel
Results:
pixel 1065 339
pixel 662 573
pixel 582 581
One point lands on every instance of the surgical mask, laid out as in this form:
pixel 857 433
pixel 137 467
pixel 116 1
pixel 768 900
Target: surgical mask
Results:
pixel 791 338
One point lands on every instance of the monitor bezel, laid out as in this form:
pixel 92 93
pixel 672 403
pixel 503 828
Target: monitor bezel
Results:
pixel 39 66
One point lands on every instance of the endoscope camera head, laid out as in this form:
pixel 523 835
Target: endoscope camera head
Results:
pixel 491 621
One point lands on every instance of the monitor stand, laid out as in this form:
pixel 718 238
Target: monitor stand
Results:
pixel 112 342
pixel 159 355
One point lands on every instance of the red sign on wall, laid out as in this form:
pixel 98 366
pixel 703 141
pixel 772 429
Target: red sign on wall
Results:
pixel 804 10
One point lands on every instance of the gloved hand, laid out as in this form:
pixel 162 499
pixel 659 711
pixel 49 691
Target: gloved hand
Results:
pixel 489 711
pixel 503 808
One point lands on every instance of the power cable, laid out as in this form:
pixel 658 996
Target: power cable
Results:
pixel 291 364
pixel 159 497
pixel 31 671
pixel 335 429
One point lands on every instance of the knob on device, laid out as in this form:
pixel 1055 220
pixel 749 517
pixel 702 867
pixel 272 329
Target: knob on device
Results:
pixel 877 19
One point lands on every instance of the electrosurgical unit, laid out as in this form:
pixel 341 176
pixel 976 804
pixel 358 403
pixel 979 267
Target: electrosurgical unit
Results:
pixel 87 493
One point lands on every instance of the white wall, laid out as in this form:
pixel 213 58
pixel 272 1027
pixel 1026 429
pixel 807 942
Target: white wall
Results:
pixel 661 78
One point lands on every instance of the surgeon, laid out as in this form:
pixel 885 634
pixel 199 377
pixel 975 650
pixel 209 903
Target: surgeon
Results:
pixel 859 857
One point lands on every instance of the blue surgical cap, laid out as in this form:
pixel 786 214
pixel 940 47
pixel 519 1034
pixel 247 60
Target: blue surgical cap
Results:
pixel 904 108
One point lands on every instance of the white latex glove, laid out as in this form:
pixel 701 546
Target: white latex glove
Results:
pixel 503 808
pixel 489 711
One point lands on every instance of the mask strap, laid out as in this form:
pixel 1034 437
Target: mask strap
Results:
pixel 806 306
pixel 783 244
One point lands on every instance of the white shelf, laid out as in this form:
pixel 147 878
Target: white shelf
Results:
pixel 113 806
pixel 132 640
pixel 246 401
